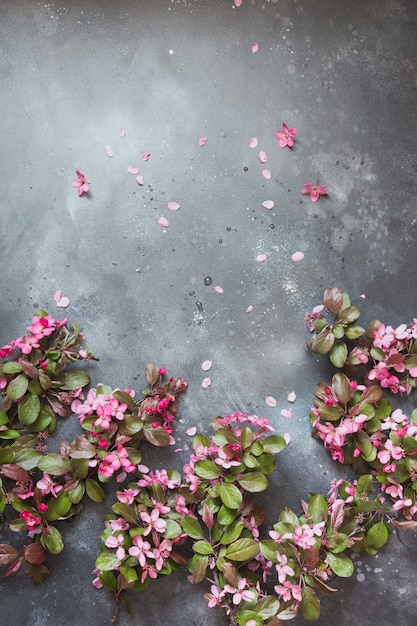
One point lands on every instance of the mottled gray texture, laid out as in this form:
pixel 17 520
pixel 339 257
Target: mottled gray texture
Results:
pixel 344 73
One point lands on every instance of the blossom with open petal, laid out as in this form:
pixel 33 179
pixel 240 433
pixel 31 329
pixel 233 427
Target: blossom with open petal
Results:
pixel 314 191
pixel 286 136
pixel 81 183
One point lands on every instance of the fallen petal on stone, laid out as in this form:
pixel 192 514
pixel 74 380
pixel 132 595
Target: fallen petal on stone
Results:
pixel 291 397
pixel 57 295
pixel 140 180
pixel 266 174
pixel 253 142
pixel 297 257
pixel 261 258
pixel 133 169
pixel 146 156
pixel 109 151
pixel 286 413
pixel 287 438
pixel 163 222
pixel 173 206
pixel 191 431
pixel 218 289
pixel 362 296
pixel 268 204
pixel 255 47
pixel 206 383
pixel 263 156
pixel 249 309
pixel 202 141
pixel 238 3
pixel 121 132
pixel 206 365
pixel 270 401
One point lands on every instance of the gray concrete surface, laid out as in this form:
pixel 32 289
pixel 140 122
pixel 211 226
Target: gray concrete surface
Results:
pixel 344 73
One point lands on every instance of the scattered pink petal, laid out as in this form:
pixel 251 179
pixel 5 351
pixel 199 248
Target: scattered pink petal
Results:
pixel 261 258
pixel 83 186
pixel 270 400
pixel 263 156
pixel 266 174
pixel 218 289
pixel 286 413
pixel 121 132
pixel 57 295
pixel 163 222
pixel 255 47
pixel 253 142
pixel 268 204
pixel 146 156
pixel 178 450
pixel 249 309
pixel 202 141
pixel 173 206
pixel 133 169
pixel 109 151
pixel 140 180
pixel 238 3
pixel 206 383
pixel 206 365
pixel 291 397
pixel 297 257
pixel 61 301
pixel 191 431
pixel 362 296
pixel 287 438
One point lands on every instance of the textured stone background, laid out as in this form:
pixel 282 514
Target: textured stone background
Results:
pixel 344 73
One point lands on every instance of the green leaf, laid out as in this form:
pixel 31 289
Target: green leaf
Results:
pixel 269 549
pixel 27 458
pixel 310 604
pixel 317 508
pixel 322 342
pixel 54 464
pixel 126 511
pixel 242 550
pixel 76 494
pixel 158 437
pixel 11 367
pixel 273 444
pixel 35 387
pixel 52 542
pixel 58 507
pixel 267 607
pixel 226 516
pixel 74 380
pixel 107 561
pixel 207 470
pixel 198 568
pixel 9 433
pixel 243 617
pixel 341 387
pixel 172 530
pixel 202 547
pixel 94 491
pixel 246 438
pixel 377 535
pixel 363 442
pixel 17 387
pixel 254 482
pixel 192 528
pixel 330 413
pixel 354 331
pixel 28 410
pixel 129 573
pixel 232 533
pixel 230 495
pixel 340 564
pixel 338 354
pixel 108 580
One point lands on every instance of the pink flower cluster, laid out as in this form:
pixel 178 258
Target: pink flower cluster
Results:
pixel 40 328
pixel 105 406
pixel 115 461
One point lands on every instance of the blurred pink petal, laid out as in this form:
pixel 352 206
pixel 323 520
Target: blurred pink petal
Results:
pixel 297 257
pixel 261 258
pixel 287 438
pixel 362 296
pixel 206 383
pixel 286 413
pixel 270 401
pixel 266 174
pixel 268 204
pixel 249 309
pixel 133 169
pixel 178 450
pixel 173 206
pixel 218 289
pixel 202 141
pixel 262 156
pixel 61 301
pixel 121 132
pixel 191 431
pixel 291 397
pixel 163 222
pixel 253 142
pixel 238 3
pixel 57 295
pixel 109 151
pixel 206 365
pixel 255 47
pixel 146 156
pixel 140 180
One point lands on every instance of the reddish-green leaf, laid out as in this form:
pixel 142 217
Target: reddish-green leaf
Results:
pixel 333 300
pixel 7 554
pixel 17 387
pixel 310 604
pixel 35 553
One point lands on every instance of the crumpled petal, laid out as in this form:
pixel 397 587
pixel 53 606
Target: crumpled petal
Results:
pixel 121 132
pixel 202 141
pixel 140 180
pixel 146 156
pixel 163 222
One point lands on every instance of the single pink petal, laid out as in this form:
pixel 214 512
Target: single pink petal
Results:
pixel 261 258
pixel 290 142
pixel 218 289
pixel 283 142
pixel 179 450
pixel 202 141
pixel 255 47
pixel 253 142
pixel 140 180
pixel 287 438
pixel 206 383
pixel 291 397
pixel 249 309
pixel 109 151
pixel 286 413
pixel 57 295
pixel 121 132
pixel 266 174
pixel 206 365
pixel 362 296
pixel 238 3
pixel 63 302
pixel 191 431
pixel 297 257
pixel 173 206
pixel 146 156
pixel 268 204
pixel 133 169
pixel 270 401
pixel 262 156
pixel 163 222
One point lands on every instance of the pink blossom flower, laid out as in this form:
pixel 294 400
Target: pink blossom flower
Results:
pixel 154 522
pixel 286 136
pixel 215 596
pixel 287 591
pixel 23 492
pixel 116 542
pixel 314 191
pixel 283 570
pixel 127 496
pixel 148 570
pixel 119 524
pixel 161 553
pixel 140 549
pixel 241 592
pixel 47 485
pixel 81 183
